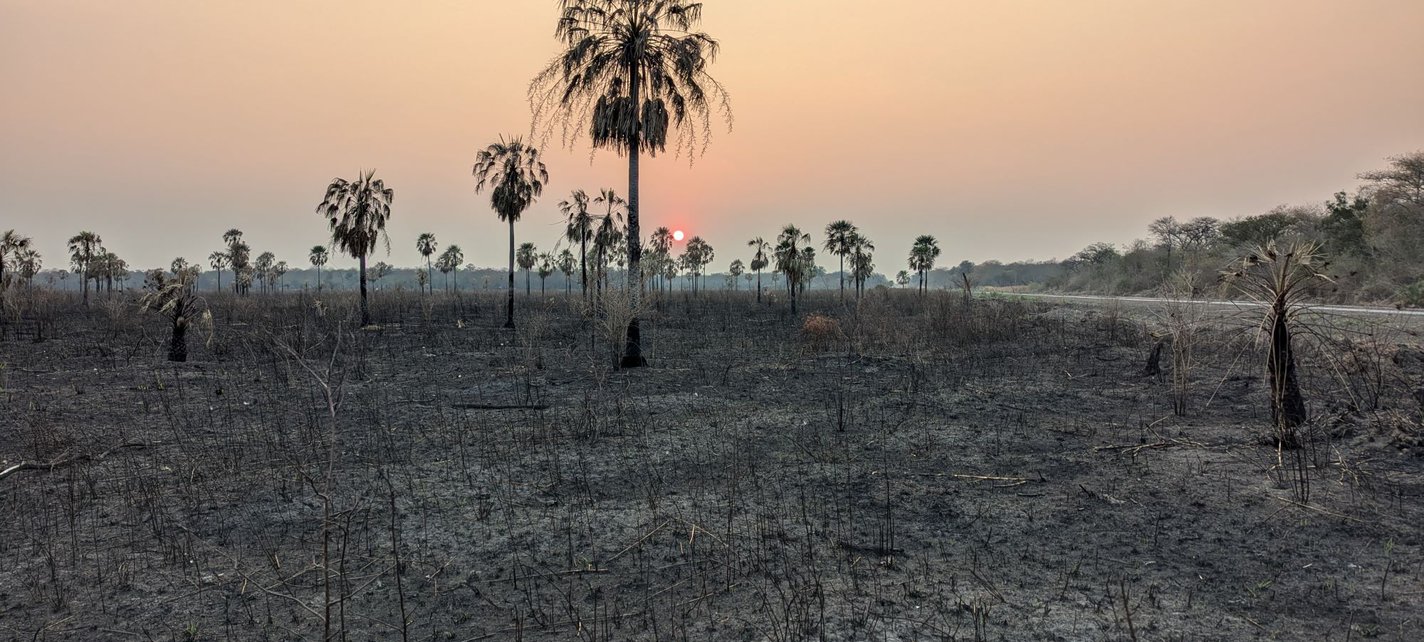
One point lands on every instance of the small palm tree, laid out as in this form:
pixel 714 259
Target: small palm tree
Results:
pixel 902 278
pixel 578 228
pixel 608 231
pixel 922 258
pixel 237 255
pixel 515 177
pixel 736 270
pixel 425 244
pixel 527 256
pixel 661 243
pixel 631 72
pixel 176 298
pixel 318 256
pixel 357 212
pixel 759 259
pixel 84 248
pixel 1280 278
pixel 12 247
pixel 263 269
pixel 839 241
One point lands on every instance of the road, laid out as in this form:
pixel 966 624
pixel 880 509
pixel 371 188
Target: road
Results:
pixel 1335 309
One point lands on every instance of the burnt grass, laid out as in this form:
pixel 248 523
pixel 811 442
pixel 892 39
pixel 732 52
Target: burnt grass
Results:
pixel 922 471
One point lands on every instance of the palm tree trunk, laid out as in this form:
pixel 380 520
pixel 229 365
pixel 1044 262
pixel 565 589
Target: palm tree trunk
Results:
pixel 365 307
pixel 583 261
pixel 842 278
pixel 1287 404
pixel 633 352
pixel 526 282
pixel 758 286
pixel 509 322
pixel 219 289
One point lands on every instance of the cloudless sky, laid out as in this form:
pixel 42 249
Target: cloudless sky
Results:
pixel 1011 129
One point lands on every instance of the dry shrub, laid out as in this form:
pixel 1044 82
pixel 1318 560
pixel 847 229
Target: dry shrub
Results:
pixel 820 332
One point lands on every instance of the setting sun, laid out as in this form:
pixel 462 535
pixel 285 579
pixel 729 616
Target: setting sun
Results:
pixel 677 235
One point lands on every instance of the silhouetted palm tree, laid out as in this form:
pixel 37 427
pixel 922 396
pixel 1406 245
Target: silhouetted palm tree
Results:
pixel 449 261
pixel 357 212
pixel 578 228
pixel 218 260
pixel 566 263
pixel 608 231
pixel 425 244
pixel 759 259
pixel 318 256
pixel 922 257
pixel 789 260
pixel 515 176
pixel 860 265
pixel 839 235
pixel 631 71
pixel 527 256
pixel 12 247
pixel 736 270
pixel 84 248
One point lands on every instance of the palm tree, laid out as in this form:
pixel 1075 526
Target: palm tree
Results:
pixel 661 243
pixel 860 265
pixel 516 177
pixel 318 256
pixel 609 229
pixel 566 263
pixel 546 267
pixel 839 235
pixel 12 247
pixel 357 212
pixel 27 265
pixel 237 255
pixel 922 257
pixel 425 244
pixel 451 258
pixel 902 278
pixel 218 260
pixel 789 260
pixel 630 71
pixel 759 259
pixel 578 228
pixel 526 257
pixel 736 270
pixel 84 248
pixel 263 268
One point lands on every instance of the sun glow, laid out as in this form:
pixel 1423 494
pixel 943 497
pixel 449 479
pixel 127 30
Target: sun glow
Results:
pixel 677 235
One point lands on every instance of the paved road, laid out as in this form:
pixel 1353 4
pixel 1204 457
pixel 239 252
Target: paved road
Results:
pixel 1337 309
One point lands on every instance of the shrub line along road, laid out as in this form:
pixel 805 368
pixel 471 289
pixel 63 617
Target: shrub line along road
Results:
pixel 1339 309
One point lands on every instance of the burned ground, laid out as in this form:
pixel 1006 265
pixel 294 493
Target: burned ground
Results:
pixel 923 471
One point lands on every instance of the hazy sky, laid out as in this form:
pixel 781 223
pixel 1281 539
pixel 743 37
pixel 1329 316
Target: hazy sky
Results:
pixel 1008 129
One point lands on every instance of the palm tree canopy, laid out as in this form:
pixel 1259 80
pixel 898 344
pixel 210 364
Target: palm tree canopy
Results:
pixel 579 224
pixel 631 71
pixel 839 237
pixel 527 255
pixel 318 255
pixel 513 172
pixel 425 244
pixel 357 212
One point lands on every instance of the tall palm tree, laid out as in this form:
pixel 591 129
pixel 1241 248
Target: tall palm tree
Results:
pixel 630 71
pixel 318 256
pixel 527 256
pixel 218 260
pixel 237 255
pixel 759 259
pixel 578 228
pixel 515 177
pixel 84 248
pixel 922 257
pixel 425 244
pixel 12 248
pixel 839 235
pixel 661 242
pixel 357 212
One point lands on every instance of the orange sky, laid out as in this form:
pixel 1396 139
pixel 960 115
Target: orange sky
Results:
pixel 1008 129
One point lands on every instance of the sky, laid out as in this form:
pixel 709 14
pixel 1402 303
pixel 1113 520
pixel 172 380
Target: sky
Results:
pixel 1009 130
